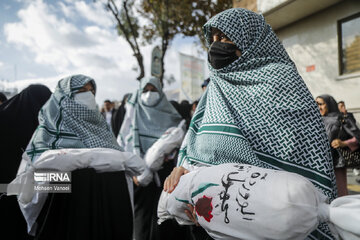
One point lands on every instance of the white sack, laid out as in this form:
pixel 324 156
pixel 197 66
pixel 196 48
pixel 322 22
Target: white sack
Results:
pixel 66 160
pixel 171 139
pixel 236 201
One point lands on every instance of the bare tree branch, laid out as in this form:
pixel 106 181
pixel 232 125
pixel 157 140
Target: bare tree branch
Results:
pixel 134 45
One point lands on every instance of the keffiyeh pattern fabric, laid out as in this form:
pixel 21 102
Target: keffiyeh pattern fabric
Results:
pixel 150 122
pixel 258 110
pixel 64 123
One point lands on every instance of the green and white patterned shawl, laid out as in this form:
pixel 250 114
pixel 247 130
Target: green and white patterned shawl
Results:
pixel 64 123
pixel 150 122
pixel 258 110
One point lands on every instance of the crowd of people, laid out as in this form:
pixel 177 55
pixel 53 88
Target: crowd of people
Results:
pixel 255 109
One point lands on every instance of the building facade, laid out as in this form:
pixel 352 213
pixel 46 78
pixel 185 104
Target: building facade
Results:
pixel 322 37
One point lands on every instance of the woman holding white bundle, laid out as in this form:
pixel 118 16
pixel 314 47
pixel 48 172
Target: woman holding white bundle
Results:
pixel 148 115
pixel 73 135
pixel 256 109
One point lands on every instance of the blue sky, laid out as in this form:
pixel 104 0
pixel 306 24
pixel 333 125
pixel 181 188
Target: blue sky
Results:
pixel 42 41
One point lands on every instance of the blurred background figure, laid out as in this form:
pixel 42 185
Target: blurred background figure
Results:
pixel 18 121
pixel 185 110
pixel 204 84
pixel 342 133
pixel 118 115
pixel 176 105
pixel 342 109
pixel 350 116
pixel 108 112
pixel 3 98
pixel 193 108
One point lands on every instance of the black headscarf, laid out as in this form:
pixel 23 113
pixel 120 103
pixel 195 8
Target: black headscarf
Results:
pixel 18 121
pixel 334 121
pixel 176 105
pixel 118 116
pixel 3 98
pixel 331 104
pixel 184 110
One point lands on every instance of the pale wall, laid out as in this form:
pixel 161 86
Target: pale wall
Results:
pixel 314 41
pixel 248 4
pixel 266 5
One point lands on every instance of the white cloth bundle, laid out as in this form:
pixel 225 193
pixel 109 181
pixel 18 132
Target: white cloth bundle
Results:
pixel 171 139
pixel 155 155
pixel 146 177
pixel 67 160
pixel 237 201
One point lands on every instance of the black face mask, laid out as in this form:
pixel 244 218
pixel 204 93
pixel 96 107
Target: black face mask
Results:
pixel 222 54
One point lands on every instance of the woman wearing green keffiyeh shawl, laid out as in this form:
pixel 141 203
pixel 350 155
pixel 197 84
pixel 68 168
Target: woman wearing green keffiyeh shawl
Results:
pixel 148 115
pixel 68 120
pixel 257 110
pixel 147 122
pixel 65 123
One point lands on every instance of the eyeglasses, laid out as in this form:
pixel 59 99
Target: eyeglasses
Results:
pixel 320 104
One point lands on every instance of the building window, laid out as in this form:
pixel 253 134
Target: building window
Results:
pixel 349 44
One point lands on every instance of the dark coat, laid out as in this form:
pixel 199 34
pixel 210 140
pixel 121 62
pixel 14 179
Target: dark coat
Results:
pixel 18 121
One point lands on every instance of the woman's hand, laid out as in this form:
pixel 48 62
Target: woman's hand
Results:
pixel 336 143
pixel 191 214
pixel 135 181
pixel 173 179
